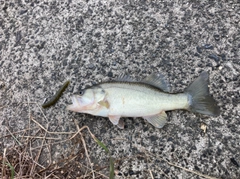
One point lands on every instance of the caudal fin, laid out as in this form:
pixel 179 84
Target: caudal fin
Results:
pixel 199 98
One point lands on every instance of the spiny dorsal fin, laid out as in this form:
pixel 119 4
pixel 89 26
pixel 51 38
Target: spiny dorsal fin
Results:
pixel 125 78
pixel 158 81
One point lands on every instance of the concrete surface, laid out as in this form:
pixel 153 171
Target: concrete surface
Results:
pixel 44 43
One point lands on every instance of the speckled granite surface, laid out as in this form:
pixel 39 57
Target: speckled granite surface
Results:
pixel 44 43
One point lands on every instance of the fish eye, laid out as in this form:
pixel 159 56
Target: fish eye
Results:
pixel 81 92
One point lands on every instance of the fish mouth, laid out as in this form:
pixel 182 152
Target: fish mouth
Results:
pixel 78 106
pixel 75 106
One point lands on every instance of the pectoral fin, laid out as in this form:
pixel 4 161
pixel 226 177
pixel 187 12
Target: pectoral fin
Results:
pixel 104 103
pixel 158 120
pixel 117 121
pixel 114 119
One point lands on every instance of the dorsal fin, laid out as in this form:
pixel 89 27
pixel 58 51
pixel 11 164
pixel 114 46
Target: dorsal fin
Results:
pixel 158 81
pixel 125 78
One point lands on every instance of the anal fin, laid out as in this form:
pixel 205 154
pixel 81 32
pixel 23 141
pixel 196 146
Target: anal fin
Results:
pixel 120 124
pixel 158 120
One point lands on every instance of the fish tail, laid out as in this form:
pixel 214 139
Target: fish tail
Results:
pixel 200 100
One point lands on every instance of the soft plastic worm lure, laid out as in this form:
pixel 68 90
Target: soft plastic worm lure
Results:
pixel 56 97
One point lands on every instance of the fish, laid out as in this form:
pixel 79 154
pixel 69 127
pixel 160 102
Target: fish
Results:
pixel 148 98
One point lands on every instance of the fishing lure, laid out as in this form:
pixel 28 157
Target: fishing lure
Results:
pixel 56 97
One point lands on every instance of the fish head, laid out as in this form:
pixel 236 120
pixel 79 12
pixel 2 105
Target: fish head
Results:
pixel 87 100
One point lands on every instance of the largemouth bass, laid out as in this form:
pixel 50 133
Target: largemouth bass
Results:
pixel 148 98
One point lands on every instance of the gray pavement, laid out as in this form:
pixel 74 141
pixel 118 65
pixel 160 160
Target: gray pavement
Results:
pixel 45 43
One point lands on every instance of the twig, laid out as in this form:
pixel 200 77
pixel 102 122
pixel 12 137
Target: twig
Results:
pixel 1 107
pixel 164 173
pixel 37 157
pixel 191 171
pixel 50 144
pixel 85 148
pixel 49 131
pixel 29 114
pixel 94 171
pixel 42 112
pixel 79 130
pixel 37 137
pixel 119 139
pixel 20 162
pixel 18 132
pixel 3 162
pixel 19 143
pixel 50 157
pixel 51 174
pixel 151 173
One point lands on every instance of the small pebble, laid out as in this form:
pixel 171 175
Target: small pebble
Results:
pixel 131 172
pixel 23 11
pixel 234 162
pixel 216 37
pixel 214 57
pixel 199 49
pixel 110 74
pixel 103 63
pixel 2 84
pixel 91 66
pixel 223 56
pixel 208 46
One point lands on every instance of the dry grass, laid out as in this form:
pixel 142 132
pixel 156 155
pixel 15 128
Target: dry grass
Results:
pixel 25 158
pixel 23 161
